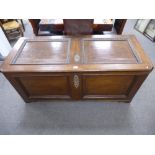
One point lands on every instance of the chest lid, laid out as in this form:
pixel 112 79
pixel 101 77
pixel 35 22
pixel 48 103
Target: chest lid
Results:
pixel 77 54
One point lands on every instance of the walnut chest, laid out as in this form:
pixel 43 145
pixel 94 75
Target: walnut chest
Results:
pixel 111 67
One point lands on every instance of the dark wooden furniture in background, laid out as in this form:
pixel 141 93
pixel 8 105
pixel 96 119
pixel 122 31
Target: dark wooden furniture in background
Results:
pixel 35 25
pixel 119 25
pixel 22 25
pixel 78 26
pixel 51 27
pixel 101 25
pixel 55 26
pixel 104 67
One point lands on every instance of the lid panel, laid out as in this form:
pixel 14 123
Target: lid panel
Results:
pixel 43 52
pixel 109 51
pixel 77 54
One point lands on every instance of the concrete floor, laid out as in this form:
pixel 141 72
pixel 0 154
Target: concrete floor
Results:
pixel 81 117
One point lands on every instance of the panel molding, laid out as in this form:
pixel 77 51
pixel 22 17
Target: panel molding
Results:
pixel 126 61
pixel 125 95
pixel 68 40
pixel 30 97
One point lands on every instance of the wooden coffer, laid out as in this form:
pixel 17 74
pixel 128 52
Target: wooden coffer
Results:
pixel 77 67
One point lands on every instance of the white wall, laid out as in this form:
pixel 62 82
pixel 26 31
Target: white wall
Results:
pixel 5 46
pixel 147 44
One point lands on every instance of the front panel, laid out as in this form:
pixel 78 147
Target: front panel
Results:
pixel 42 86
pixel 107 86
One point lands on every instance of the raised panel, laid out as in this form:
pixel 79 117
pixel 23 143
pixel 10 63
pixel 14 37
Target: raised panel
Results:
pixel 109 51
pixel 45 86
pixel 107 86
pixel 47 52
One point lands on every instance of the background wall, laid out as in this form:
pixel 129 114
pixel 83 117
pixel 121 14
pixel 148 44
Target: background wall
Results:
pixel 5 46
pixel 147 44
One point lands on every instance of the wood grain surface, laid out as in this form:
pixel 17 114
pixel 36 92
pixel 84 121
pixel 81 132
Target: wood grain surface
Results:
pixel 111 67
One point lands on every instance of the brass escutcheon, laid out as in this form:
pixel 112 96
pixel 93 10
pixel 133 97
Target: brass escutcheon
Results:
pixel 76 58
pixel 76 81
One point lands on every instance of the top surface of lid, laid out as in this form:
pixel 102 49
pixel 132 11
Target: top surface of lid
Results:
pixel 92 51
pixel 77 53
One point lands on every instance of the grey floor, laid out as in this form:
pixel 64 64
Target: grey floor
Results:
pixel 81 117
